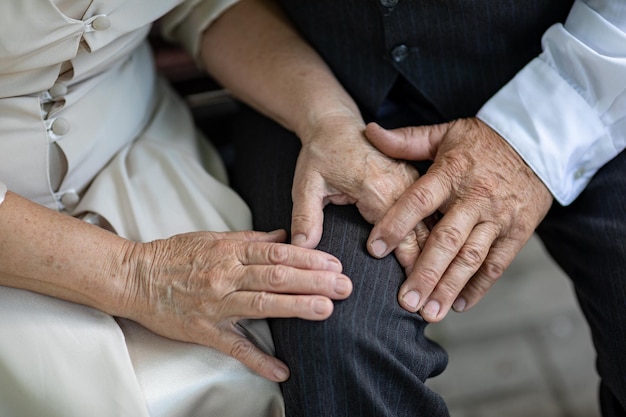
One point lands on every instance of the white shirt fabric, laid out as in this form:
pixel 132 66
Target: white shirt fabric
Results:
pixel 565 112
pixel 87 126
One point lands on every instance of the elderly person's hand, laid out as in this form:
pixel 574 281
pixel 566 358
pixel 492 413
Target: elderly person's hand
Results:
pixel 338 165
pixel 192 287
pixel 491 200
pixel 195 287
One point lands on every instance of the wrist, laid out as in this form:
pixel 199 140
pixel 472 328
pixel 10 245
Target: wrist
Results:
pixel 125 274
pixel 328 118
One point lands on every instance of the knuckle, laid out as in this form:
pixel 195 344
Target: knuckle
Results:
pixel 429 277
pixel 278 277
pixel 409 243
pixel 447 290
pixel 217 283
pixel 447 236
pixel 241 349
pixel 480 284
pixel 261 302
pixel 421 197
pixel 397 229
pixel 470 256
pixel 456 162
pixel 278 253
pixel 248 235
pixel 521 229
pixel 493 270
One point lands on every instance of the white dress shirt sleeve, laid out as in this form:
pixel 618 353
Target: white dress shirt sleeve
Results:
pixel 565 112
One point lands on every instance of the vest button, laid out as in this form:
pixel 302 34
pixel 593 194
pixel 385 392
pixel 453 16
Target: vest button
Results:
pixel 399 53
pixel 388 3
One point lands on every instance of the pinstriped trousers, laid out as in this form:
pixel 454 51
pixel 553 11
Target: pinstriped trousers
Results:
pixel 371 357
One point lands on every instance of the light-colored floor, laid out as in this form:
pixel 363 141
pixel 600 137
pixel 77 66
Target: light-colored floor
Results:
pixel 524 351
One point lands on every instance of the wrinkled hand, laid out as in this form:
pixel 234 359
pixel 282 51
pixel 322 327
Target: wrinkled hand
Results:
pixel 338 165
pixel 195 288
pixel 491 200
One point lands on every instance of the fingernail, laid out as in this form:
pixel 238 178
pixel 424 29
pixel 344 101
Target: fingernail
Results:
pixel 281 374
pixel 412 299
pixel 320 306
pixel 335 265
pixel 379 247
pixel 298 239
pixel 431 309
pixel 342 285
pixel 460 304
pixel 276 232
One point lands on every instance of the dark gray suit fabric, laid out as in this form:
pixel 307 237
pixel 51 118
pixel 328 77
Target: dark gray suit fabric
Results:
pixel 371 358
pixel 458 52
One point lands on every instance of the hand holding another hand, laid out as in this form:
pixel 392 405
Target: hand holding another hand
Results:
pixel 195 287
pixel 491 200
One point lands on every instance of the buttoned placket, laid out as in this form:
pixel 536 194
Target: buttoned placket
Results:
pixel 399 51
pixel 52 102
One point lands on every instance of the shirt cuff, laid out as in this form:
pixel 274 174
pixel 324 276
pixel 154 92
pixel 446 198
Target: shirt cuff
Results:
pixel 561 117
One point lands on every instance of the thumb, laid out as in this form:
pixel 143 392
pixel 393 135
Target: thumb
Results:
pixel 412 143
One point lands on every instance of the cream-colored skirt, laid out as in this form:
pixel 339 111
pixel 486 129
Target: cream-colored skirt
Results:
pixel 67 360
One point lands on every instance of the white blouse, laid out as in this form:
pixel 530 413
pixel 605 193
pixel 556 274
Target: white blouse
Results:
pixel 87 126
pixel 66 70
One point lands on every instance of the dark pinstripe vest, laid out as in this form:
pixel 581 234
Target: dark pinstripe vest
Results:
pixel 456 53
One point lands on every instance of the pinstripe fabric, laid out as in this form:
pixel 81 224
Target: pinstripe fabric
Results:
pixel 371 358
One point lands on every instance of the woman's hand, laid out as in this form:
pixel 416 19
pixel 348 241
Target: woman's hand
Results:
pixel 195 287
pixel 338 165
pixel 271 68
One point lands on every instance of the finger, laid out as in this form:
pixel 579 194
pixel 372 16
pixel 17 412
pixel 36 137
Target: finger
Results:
pixel 287 280
pixel 413 143
pixel 278 236
pixel 497 261
pixel 307 216
pixel 236 345
pixel 419 201
pixel 263 304
pixel 411 246
pixel 407 252
pixel 293 256
pixel 467 262
pixel 443 245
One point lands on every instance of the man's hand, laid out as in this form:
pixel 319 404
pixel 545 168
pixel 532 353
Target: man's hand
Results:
pixel 491 201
